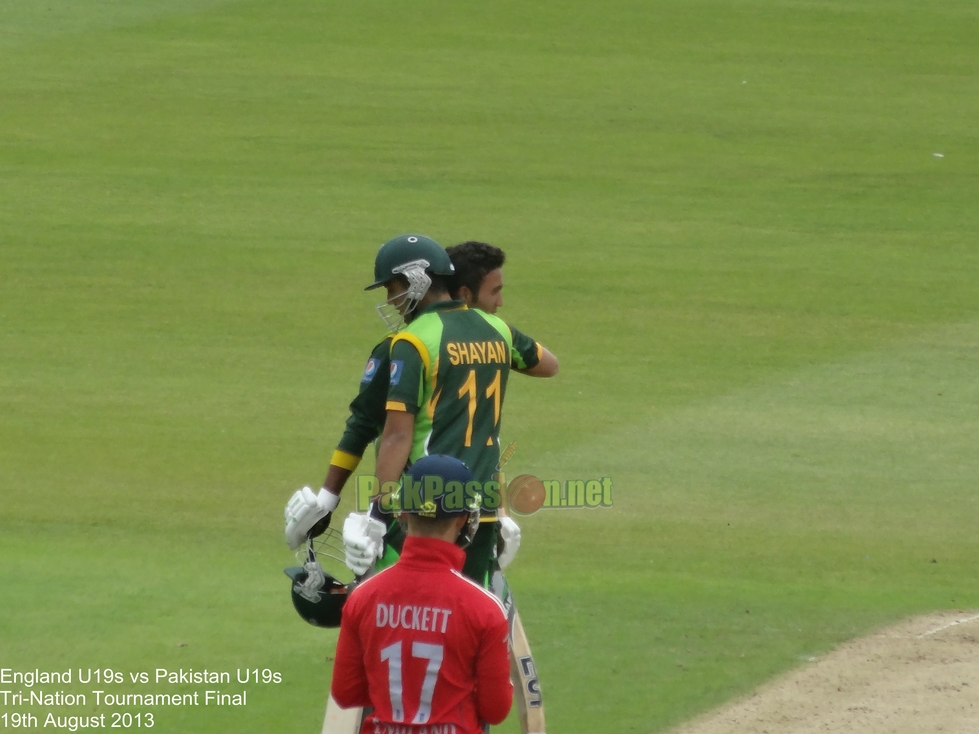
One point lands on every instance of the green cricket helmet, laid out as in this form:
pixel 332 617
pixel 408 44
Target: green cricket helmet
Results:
pixel 408 252
pixel 416 258
pixel 317 595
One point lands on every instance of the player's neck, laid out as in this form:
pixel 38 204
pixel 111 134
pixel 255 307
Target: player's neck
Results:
pixel 447 530
pixel 429 298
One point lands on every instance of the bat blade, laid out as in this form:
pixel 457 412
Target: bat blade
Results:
pixel 337 720
pixel 341 721
pixel 523 672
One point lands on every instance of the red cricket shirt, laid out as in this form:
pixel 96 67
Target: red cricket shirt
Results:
pixel 424 646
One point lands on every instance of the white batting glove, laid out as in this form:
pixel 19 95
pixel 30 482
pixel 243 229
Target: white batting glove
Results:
pixel 303 510
pixel 510 534
pixel 363 542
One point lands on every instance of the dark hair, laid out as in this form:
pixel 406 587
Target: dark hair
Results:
pixel 472 261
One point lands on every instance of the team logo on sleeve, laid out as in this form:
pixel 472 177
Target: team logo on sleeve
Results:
pixel 370 370
pixel 397 367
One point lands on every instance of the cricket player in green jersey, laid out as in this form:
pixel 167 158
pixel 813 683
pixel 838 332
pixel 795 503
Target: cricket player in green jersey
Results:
pixel 478 281
pixel 448 375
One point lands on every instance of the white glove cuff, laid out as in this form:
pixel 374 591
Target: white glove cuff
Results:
pixel 510 534
pixel 328 501
pixel 302 513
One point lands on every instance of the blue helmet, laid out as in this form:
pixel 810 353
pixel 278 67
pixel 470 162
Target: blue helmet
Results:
pixel 443 488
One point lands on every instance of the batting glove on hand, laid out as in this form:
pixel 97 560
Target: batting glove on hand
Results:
pixel 510 535
pixel 363 542
pixel 308 514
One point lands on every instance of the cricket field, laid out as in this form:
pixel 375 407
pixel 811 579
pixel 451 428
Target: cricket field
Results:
pixel 747 228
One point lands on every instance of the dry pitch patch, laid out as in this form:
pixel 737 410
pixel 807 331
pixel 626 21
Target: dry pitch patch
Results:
pixel 921 675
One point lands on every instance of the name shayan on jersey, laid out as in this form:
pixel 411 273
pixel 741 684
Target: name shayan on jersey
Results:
pixel 484 352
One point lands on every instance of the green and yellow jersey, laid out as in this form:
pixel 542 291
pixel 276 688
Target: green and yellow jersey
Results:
pixel 449 368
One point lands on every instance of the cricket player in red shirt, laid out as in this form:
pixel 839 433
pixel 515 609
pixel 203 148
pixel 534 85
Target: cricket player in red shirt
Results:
pixel 420 643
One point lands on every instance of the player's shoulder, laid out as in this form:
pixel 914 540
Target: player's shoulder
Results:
pixel 422 329
pixel 477 597
pixel 365 589
pixel 498 324
pixel 376 363
pixel 384 346
pixel 488 317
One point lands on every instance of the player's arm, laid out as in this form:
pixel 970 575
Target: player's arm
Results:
pixel 337 476
pixel 405 396
pixel 494 691
pixel 547 366
pixel 396 443
pixel 377 537
pixel 349 686
pixel 308 513
pixel 529 357
pixel 363 426
pixel 367 414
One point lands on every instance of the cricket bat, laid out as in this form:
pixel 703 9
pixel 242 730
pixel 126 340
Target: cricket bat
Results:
pixel 338 720
pixel 523 672
pixel 341 721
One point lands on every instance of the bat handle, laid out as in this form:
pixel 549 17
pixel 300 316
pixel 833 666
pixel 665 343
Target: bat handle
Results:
pixel 501 511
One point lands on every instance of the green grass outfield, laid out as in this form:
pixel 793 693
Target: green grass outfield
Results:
pixel 747 228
